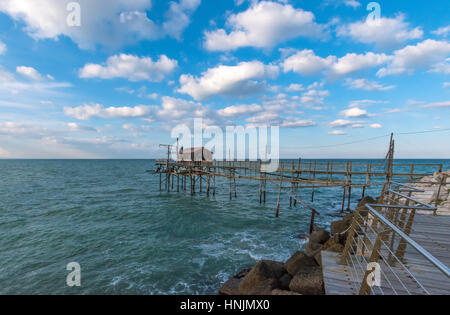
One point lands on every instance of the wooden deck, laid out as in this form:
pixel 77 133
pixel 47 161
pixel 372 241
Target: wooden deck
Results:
pixel 431 232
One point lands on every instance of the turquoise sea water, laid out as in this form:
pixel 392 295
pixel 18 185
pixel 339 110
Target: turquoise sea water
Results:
pixel 130 238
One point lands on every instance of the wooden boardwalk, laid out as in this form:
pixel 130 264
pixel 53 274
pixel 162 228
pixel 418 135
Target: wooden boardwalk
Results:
pixel 430 232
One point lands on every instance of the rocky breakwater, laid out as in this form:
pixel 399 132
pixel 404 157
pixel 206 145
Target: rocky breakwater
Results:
pixel 299 275
pixel 436 191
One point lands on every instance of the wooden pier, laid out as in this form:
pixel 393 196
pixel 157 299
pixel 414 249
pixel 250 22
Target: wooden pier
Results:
pixel 400 234
pixel 431 232
pixel 292 177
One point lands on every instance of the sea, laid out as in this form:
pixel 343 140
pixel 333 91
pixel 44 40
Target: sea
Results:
pixel 128 237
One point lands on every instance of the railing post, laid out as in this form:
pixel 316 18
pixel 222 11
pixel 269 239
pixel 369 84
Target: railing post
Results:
pixel 365 288
pixel 350 237
pixel 400 253
pixel 443 180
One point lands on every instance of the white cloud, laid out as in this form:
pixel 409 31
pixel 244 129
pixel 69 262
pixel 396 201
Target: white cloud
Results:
pixel 343 123
pixel 352 3
pixel 77 127
pixel 355 62
pixel 426 54
pixel 386 32
pixel 240 110
pixel 314 97
pixel 13 128
pixel 131 67
pixel 171 111
pixel 153 96
pixel 446 84
pixel 86 112
pixel 354 112
pixel 265 119
pixel 442 31
pixel 30 73
pixel 270 118
pixel 107 22
pixel 264 25
pixel 442 67
pixel 176 108
pixel 179 16
pixel 365 103
pixel 297 123
pixel 295 88
pixel 438 105
pixel 429 54
pixel 136 129
pixel 125 89
pixel 337 133
pixel 228 80
pixel 12 85
pixel 2 48
pixel 367 85
pixel 376 126
pixel 340 123
pixel 306 63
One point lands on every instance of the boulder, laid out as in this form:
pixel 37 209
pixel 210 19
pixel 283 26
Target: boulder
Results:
pixel 308 281
pixel 283 292
pixel 334 244
pixel 262 278
pixel 363 211
pixel 231 287
pixel 242 273
pixel 312 249
pixel 318 258
pixel 336 248
pixel 284 281
pixel 298 261
pixel 319 236
pixel 338 227
pixel 342 225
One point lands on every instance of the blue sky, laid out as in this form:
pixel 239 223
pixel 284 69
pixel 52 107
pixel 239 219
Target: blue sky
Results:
pixel 115 86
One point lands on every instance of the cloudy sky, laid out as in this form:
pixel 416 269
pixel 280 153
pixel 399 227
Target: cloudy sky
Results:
pixel 115 86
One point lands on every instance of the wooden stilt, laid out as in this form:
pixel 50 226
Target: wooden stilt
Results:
pixel 279 195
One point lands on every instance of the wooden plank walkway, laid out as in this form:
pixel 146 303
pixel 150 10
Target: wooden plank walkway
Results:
pixel 431 232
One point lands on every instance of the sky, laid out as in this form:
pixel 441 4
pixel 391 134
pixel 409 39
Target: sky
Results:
pixel 113 81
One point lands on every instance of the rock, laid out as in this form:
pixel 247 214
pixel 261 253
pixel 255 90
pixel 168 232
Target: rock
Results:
pixel 338 227
pixel 337 248
pixel 333 243
pixel 231 287
pixel 319 236
pixel 262 278
pixel 298 261
pixel 341 228
pixel 277 268
pixel 283 292
pixel 284 281
pixel 257 286
pixel 242 273
pixel 318 259
pixel 363 211
pixel 312 249
pixel 308 281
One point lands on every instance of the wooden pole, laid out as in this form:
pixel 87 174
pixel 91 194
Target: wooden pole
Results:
pixel 314 178
pixel 311 224
pixel 279 194
pixel 350 186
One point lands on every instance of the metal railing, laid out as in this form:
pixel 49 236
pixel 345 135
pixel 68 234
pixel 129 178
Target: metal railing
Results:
pixel 377 245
